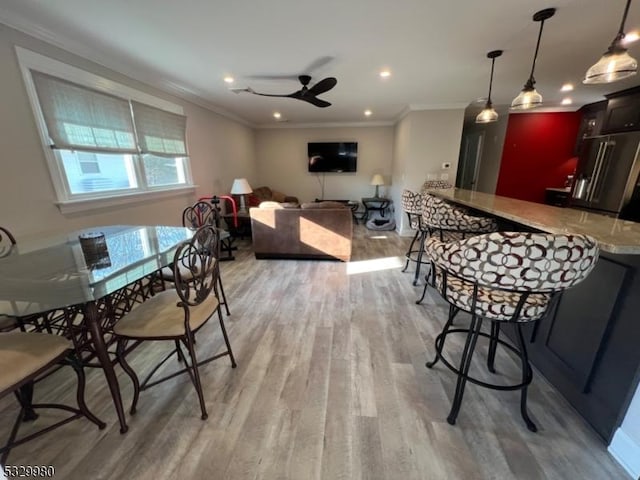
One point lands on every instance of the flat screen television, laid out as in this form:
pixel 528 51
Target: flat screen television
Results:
pixel 332 156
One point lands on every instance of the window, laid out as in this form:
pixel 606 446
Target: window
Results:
pixel 104 140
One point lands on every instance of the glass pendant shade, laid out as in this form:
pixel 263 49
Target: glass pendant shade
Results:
pixel 487 115
pixel 616 63
pixel 613 66
pixel 528 98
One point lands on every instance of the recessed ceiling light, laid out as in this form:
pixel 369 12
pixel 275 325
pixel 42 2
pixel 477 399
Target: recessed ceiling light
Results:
pixel 567 101
pixel 276 115
pixel 229 79
pixel 385 73
pixel 631 37
pixel 368 113
pixel 567 87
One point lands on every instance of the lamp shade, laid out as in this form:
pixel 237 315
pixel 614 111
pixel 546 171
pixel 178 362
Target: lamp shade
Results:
pixel 240 187
pixel 528 98
pixel 616 63
pixel 377 180
pixel 611 67
pixel 487 115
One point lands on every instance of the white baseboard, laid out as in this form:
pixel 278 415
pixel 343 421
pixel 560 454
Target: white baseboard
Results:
pixel 627 452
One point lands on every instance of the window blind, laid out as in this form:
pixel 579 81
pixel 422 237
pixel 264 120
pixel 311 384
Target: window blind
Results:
pixel 160 132
pixel 80 118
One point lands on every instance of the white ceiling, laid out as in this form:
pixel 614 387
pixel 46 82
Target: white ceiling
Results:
pixel 436 49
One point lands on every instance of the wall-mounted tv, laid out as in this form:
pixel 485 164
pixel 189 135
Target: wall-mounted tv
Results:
pixel 332 156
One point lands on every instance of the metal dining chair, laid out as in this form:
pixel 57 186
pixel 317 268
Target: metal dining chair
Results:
pixel 26 356
pixel 177 314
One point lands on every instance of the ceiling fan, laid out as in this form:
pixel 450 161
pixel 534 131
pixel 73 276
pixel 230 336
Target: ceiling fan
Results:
pixel 307 94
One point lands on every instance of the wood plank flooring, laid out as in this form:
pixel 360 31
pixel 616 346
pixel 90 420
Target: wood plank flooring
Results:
pixel 330 384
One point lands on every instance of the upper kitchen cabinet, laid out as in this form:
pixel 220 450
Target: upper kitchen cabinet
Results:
pixel 590 124
pixel 623 111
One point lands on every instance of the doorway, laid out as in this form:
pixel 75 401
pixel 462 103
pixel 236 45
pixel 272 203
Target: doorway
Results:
pixel 469 165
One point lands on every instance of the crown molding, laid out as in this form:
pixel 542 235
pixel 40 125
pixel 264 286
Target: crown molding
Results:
pixel 268 126
pixel 146 76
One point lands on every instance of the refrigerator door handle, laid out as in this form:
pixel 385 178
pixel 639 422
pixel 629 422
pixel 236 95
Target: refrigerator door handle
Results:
pixel 583 192
pixel 597 171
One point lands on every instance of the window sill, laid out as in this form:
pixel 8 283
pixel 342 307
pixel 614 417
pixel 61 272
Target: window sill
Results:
pixel 85 205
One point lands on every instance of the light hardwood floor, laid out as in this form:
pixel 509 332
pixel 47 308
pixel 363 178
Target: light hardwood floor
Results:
pixel 330 384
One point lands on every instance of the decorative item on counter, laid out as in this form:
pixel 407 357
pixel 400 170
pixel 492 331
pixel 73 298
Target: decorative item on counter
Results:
pixel 94 249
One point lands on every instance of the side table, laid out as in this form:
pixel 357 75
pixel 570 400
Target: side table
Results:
pixel 375 204
pixel 242 228
pixel 352 204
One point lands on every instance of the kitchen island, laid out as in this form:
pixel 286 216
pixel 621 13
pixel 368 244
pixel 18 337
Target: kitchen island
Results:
pixel 589 345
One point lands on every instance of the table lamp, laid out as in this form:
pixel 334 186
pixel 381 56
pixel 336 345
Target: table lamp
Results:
pixel 241 187
pixel 377 180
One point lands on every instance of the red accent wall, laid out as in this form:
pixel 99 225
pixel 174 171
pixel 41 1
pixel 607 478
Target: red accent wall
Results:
pixel 537 154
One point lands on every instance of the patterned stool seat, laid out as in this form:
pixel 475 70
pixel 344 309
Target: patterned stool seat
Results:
pixel 450 223
pixel 503 277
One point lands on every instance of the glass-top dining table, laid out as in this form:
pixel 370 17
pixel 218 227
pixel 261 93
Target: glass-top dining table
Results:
pixel 89 278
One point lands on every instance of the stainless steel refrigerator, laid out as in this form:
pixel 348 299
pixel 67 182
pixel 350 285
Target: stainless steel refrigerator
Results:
pixel 607 173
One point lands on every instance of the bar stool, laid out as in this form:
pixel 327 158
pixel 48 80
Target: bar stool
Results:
pixel 451 223
pixel 412 204
pixel 503 277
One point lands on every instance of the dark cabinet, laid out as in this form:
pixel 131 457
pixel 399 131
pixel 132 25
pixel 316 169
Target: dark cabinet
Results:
pixel 623 112
pixel 587 348
pixel 590 123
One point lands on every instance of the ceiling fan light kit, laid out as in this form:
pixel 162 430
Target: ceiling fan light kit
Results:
pixel 529 96
pixel 488 113
pixel 616 63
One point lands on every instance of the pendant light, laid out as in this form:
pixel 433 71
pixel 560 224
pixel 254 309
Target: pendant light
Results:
pixel 529 97
pixel 616 63
pixel 488 113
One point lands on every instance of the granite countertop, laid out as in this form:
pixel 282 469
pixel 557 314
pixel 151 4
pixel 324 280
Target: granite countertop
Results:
pixel 613 235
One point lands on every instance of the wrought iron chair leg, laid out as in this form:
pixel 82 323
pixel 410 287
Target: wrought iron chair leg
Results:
pixel 441 338
pixel 493 345
pixel 82 406
pixel 527 376
pixel 465 363
pixel 226 338
pixel 25 397
pixel 196 375
pixel 224 297
pixel 413 241
pixel 120 353
pixel 427 277
pixel 423 237
pixel 12 436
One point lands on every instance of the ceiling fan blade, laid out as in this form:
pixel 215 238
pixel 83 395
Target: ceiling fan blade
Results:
pixel 272 77
pixel 322 86
pixel 316 64
pixel 318 102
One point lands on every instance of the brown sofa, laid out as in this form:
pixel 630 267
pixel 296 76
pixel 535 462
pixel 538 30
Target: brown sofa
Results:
pixel 318 231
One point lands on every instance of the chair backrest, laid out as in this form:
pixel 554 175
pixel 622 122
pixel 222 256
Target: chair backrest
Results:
pixel 411 202
pixel 435 184
pixel 437 214
pixel 200 214
pixel 198 256
pixel 7 241
pixel 518 261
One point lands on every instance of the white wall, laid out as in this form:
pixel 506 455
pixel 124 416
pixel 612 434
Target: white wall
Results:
pixel 220 150
pixel 625 445
pixel 282 161
pixel 424 140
